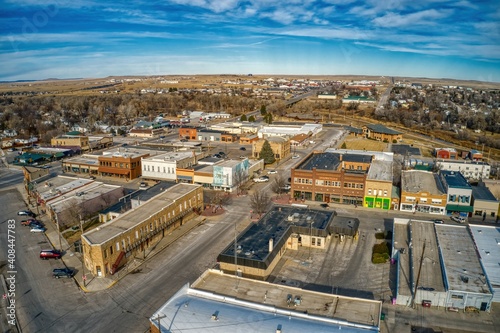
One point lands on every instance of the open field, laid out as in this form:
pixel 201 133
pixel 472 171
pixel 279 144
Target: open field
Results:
pixel 362 143
pixel 87 86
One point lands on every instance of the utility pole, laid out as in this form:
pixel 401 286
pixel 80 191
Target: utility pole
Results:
pixel 235 253
pixel 418 276
pixel 58 230
pixel 84 277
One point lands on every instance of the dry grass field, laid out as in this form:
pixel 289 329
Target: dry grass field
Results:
pixel 362 143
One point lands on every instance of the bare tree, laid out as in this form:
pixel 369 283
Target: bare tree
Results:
pixel 278 185
pixel 240 177
pixel 260 202
pixel 216 199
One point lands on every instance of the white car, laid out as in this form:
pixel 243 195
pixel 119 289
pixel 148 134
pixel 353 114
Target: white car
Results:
pixel 35 229
pixel 262 179
pixel 271 172
pixel 295 156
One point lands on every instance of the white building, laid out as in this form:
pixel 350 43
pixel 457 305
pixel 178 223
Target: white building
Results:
pixel 469 169
pixel 288 131
pixel 228 174
pixel 163 167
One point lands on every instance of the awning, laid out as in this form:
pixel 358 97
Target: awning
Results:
pixel 114 170
pixel 459 208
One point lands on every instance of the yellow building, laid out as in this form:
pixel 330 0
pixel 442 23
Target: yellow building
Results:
pixel 378 187
pixel 71 139
pixel 280 147
pixel 112 245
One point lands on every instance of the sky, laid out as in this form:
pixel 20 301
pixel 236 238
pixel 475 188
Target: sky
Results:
pixel 457 39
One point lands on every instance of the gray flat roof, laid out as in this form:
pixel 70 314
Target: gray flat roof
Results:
pixel 56 186
pixel 431 274
pixel 83 159
pixel 215 293
pixel 400 238
pixel 487 239
pixel 416 181
pixel 462 267
pixel 170 156
pixel 481 192
pixel 380 170
pixel 81 194
pixel 135 216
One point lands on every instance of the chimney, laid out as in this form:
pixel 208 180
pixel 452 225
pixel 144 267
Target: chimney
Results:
pixel 271 245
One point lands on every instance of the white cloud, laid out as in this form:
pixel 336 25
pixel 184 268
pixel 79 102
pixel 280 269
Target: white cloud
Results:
pixel 391 19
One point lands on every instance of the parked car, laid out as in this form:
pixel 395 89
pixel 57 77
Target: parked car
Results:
pixel 295 156
pixel 221 153
pixel 243 148
pixel 27 222
pixel 25 213
pixel 37 229
pixel 458 219
pixel 50 254
pixel 324 205
pixel 438 221
pixel 286 187
pixel 270 172
pixel 143 185
pixel 261 179
pixel 216 156
pixel 63 272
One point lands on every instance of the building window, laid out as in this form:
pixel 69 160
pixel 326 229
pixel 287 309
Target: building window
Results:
pixel 369 191
pixel 117 246
pixel 385 193
pixel 110 250
pixel 105 253
pixel 313 241
pixel 319 242
pixel 136 234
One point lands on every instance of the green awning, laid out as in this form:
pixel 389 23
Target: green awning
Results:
pixel 458 208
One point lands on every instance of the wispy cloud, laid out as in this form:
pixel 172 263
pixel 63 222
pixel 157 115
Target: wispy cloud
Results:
pixel 427 17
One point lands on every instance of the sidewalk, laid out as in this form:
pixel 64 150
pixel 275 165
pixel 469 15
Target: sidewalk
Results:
pixel 73 259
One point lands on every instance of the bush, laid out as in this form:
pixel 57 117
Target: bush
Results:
pixel 394 141
pixel 380 258
pixel 381 248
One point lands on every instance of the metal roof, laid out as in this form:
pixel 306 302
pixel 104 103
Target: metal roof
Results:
pixel 462 268
pixel 487 239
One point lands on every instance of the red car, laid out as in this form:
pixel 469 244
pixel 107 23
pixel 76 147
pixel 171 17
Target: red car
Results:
pixel 28 222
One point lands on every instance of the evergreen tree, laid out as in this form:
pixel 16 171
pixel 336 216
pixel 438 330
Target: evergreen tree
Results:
pixel 344 146
pixel 263 110
pixel 243 117
pixel 268 118
pixel 251 119
pixel 266 153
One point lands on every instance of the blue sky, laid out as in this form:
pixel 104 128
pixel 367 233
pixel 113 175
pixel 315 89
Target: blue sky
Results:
pixel 457 39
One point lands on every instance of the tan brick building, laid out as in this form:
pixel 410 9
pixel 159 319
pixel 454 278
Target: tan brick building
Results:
pixel 378 188
pixel 422 191
pixel 112 245
pixel 381 133
pixel 71 140
pixel 280 147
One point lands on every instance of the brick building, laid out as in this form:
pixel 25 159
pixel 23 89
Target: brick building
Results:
pixel 422 191
pixel 331 177
pixel 280 147
pixel 107 248
pixel 188 133
pixel 381 133
pixel 122 164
